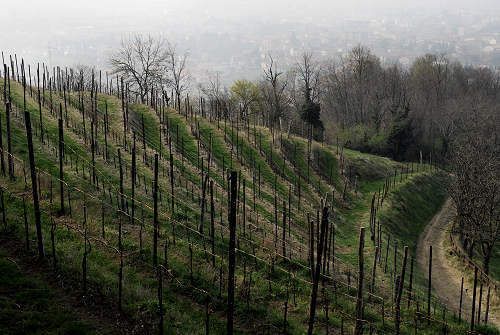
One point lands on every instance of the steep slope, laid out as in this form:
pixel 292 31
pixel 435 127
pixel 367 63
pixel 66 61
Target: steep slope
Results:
pixel 105 237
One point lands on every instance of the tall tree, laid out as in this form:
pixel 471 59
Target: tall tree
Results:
pixel 308 71
pixel 141 61
pixel 273 92
pixel 475 182
pixel 176 66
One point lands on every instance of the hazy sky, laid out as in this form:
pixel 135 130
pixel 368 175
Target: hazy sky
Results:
pixel 88 10
pixel 67 32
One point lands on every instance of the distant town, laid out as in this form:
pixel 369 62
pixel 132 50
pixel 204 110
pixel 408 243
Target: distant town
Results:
pixel 236 48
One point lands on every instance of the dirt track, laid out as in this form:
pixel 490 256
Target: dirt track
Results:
pixel 446 279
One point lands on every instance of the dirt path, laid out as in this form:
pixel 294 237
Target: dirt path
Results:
pixel 446 279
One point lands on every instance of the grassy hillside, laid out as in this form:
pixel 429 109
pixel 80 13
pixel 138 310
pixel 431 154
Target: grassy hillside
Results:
pixel 104 232
pixel 27 304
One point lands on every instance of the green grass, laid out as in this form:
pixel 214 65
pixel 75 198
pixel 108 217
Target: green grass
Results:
pixel 328 166
pixel 412 206
pixel 369 167
pixel 29 306
pixel 185 305
pixel 152 133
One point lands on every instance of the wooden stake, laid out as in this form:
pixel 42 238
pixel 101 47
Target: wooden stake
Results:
pixel 429 287
pixel 232 237
pixel 61 173
pixel 314 293
pixel 34 184
pixel 461 298
pixel 400 292
pixel 10 164
pixel 473 301
pixel 410 286
pixel 155 214
pixel 358 330
pixel 212 221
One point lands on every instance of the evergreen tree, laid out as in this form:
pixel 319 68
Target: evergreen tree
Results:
pixel 400 136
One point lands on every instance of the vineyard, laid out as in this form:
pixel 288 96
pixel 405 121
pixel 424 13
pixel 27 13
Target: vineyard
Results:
pixel 185 219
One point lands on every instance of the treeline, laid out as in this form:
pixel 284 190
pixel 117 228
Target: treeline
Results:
pixel 355 99
pixel 398 111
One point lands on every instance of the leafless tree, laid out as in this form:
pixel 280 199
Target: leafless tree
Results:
pixel 141 62
pixel 176 66
pixel 274 93
pixel 308 71
pixel 475 185
pixel 83 76
pixel 217 93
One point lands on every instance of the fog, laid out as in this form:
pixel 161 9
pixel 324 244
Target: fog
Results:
pixel 231 36
pixel 93 11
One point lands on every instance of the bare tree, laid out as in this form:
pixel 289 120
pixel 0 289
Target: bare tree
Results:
pixel 308 70
pixel 141 62
pixel 176 66
pixel 84 75
pixel 475 185
pixel 217 93
pixel 273 92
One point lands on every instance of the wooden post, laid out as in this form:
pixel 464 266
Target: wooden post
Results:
pixel 359 298
pixel 284 228
pixel 212 221
pixel 203 200
pixel 275 210
pixel 155 214
pixel 123 113
pixel 172 180
pixel 487 306
pixel 34 184
pixel 473 314
pixel 61 174
pixel 314 293
pixel 244 208
pixel 132 175
pixel 387 252
pixel 429 287
pixel 461 298
pixel 143 137
pixel 311 245
pixel 232 238
pixel 2 159
pixel 10 164
pixel 374 271
pixel 39 102
pixel 122 200
pixel 93 127
pixel 480 303
pixel 410 286
pixel 400 292
pixel 65 105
